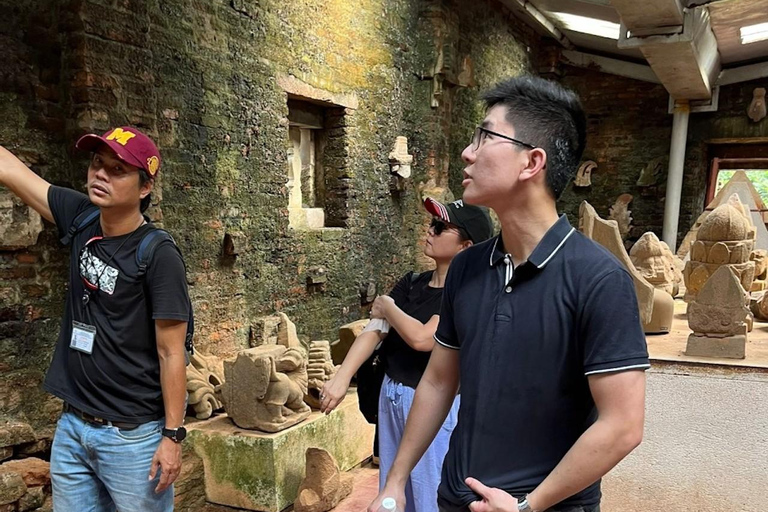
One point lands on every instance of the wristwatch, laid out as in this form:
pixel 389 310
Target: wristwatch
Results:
pixel 176 435
pixel 523 506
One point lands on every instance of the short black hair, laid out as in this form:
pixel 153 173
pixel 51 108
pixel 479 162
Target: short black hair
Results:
pixel 144 178
pixel 548 116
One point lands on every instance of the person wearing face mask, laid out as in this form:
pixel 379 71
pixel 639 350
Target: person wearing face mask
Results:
pixel 405 322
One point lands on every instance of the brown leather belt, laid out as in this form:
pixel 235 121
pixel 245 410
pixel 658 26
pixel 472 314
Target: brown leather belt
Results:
pixel 95 420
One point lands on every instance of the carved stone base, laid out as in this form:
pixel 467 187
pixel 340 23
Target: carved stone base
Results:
pixel 256 471
pixel 731 347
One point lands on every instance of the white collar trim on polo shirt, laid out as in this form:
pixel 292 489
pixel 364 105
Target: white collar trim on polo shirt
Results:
pixel 493 249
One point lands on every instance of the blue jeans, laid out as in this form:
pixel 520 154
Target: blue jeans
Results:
pixel 103 468
pixel 395 401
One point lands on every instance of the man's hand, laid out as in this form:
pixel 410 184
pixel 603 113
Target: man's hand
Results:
pixel 390 491
pixel 168 459
pixel 333 393
pixel 494 500
pixel 380 305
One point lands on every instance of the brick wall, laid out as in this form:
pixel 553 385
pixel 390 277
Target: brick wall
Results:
pixel 206 79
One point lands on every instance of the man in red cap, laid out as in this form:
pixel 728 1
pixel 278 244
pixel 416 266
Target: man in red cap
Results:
pixel 119 363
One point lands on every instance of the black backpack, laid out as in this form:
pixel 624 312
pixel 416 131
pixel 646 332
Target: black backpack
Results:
pixel 144 252
pixel 370 376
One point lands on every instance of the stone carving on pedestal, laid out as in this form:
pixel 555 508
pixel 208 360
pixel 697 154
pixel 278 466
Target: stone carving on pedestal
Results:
pixel 757 110
pixel 725 238
pixel 264 387
pixel 205 375
pixel 584 175
pixel 621 214
pixel 717 316
pixel 20 225
pixel 319 370
pixel 656 306
pixel 760 282
pixel 656 263
pixel 324 486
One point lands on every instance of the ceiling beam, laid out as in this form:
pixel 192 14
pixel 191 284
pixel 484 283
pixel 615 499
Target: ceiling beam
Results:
pixel 743 73
pixel 538 20
pixel 608 65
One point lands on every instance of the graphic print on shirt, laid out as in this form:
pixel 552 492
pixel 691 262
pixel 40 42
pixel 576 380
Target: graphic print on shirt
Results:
pixel 92 267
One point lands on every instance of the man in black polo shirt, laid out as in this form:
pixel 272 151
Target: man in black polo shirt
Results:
pixel 541 324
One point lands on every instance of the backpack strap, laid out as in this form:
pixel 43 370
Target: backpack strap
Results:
pixel 147 246
pixel 144 253
pixel 81 221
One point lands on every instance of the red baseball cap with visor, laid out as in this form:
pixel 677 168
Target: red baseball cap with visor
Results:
pixel 130 145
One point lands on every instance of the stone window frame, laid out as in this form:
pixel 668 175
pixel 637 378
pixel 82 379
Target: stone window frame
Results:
pixel 331 147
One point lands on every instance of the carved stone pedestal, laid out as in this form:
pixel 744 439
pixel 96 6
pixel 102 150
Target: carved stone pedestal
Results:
pixel 732 347
pixel 257 471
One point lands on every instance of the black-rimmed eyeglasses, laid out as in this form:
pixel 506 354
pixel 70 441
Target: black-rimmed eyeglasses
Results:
pixel 481 133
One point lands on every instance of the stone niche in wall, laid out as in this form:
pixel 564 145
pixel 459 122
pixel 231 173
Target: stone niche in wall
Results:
pixel 20 225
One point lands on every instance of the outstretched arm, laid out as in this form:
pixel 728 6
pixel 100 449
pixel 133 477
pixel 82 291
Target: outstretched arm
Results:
pixel 28 186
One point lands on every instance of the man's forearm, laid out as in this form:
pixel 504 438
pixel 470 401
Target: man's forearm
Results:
pixel 173 380
pixel 431 405
pixel 599 449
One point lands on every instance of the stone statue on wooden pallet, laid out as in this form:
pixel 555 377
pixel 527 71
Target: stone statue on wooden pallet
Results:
pixel 324 486
pixel 621 214
pixel 725 238
pixel 320 370
pixel 656 306
pixel 656 263
pixel 760 282
pixel 584 175
pixel 717 317
pixel 205 376
pixel 265 386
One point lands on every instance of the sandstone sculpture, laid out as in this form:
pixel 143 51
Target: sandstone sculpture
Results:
pixel 205 375
pixel 725 238
pixel 399 159
pixel 653 259
pixel 717 316
pixel 347 335
pixel 760 282
pixel 656 306
pixel 757 110
pixel 324 486
pixel 319 370
pixel 651 173
pixel 621 214
pixel 584 175
pixel 264 386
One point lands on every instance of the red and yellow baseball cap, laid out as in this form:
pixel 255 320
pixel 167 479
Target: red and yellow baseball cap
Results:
pixel 130 145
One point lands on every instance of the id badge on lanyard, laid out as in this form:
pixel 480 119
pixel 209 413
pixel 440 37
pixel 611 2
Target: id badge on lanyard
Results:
pixel 83 336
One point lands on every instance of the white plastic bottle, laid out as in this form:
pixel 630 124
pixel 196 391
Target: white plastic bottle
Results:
pixel 388 505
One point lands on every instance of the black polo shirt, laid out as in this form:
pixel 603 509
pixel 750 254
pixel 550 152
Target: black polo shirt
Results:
pixel 528 338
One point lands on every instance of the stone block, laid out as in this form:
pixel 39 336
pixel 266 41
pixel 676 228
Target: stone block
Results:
pixel 730 347
pixel 32 500
pixel 13 433
pixel 12 487
pixel 263 472
pixel 33 471
pixel 20 225
pixel 324 486
pixel 347 335
pixel 306 218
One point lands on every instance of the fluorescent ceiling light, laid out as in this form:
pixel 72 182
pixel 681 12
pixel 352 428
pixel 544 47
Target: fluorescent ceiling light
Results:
pixel 754 33
pixel 591 26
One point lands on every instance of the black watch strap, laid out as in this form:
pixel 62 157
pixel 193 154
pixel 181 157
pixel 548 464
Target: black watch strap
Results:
pixel 176 435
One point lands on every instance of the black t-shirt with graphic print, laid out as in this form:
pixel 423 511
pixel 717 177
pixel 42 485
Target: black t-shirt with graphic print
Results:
pixel 420 301
pixel 120 379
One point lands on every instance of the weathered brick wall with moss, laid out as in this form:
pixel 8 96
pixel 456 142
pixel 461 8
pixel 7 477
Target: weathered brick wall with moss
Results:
pixel 210 81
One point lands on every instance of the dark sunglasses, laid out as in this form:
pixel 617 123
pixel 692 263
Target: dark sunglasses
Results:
pixel 481 133
pixel 439 225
